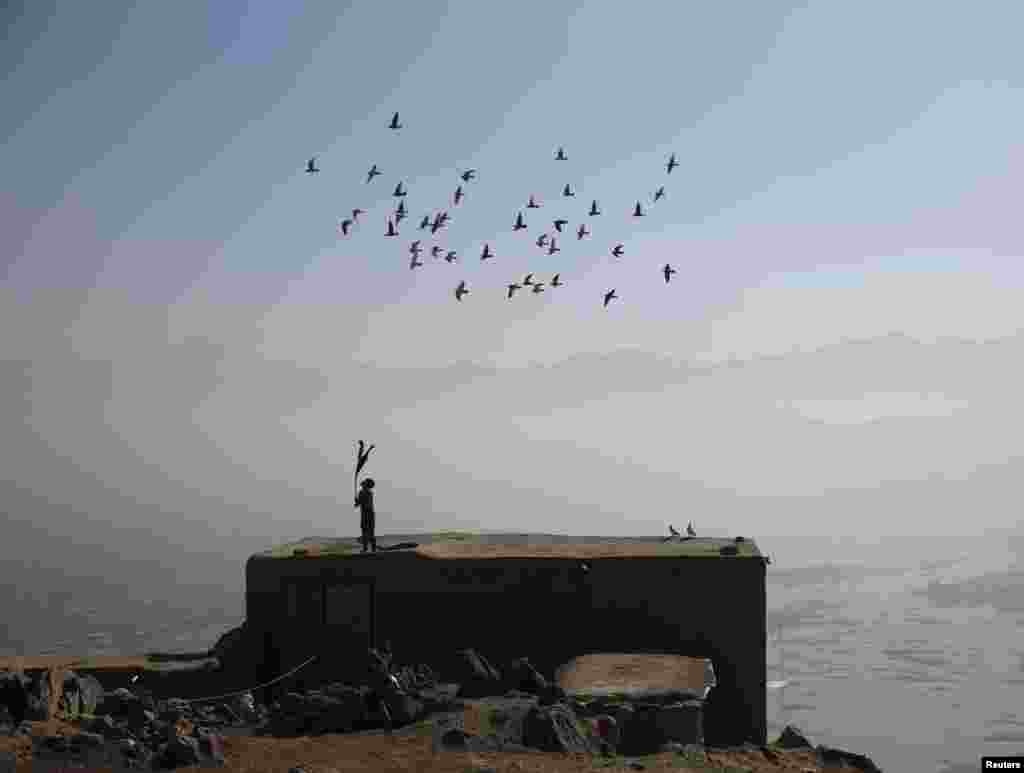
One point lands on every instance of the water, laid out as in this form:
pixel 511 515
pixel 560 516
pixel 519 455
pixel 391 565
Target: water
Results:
pixel 861 654
pixel 868 657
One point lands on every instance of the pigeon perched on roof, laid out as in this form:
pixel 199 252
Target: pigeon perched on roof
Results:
pixel 637 211
pixel 345 225
pixel 486 252
pixel 668 271
pixel 374 172
pixel 532 204
pixel 581 232
pixel 399 190
pixel 660 193
pixel 568 191
pixel 538 287
pixel 555 281
pixel 520 223
pixel 311 167
pixel 690 531
pixel 512 288
pixel 394 122
pixel 458 195
pixel 608 297
pixel 391 228
pixel 560 155
pixel 672 531
pixel 468 175
pixel 553 247
pixel 461 290
pixel 617 251
pixel 560 224
pixel 672 164
pixel 593 209
pixel 528 280
pixel 542 240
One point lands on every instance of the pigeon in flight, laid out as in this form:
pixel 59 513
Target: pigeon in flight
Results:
pixel 345 225
pixel 435 251
pixel 617 251
pixel 660 193
pixel 468 175
pixel 555 282
pixel 487 252
pixel 461 290
pixel 593 209
pixel 520 223
pixel 436 226
pixel 581 232
pixel 542 240
pixel 355 214
pixel 451 256
pixel 560 224
pixel 673 532
pixel 568 191
pixel 414 263
pixel 690 531
pixel 311 167
pixel 533 204
pixel 374 172
pixel 672 164
pixel 458 195
pixel 608 296
pixel 415 248
pixel 444 217
pixel 394 122
pixel 668 271
pixel 538 287
pixel 553 247
pixel 560 155
pixel 399 191
pixel 425 222
pixel 637 212
pixel 391 229
pixel 528 280
pixel 512 288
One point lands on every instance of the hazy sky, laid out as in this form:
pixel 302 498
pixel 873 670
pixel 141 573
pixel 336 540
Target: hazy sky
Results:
pixel 189 349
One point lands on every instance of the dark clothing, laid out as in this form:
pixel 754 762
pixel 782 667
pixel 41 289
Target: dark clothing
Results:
pixel 367 519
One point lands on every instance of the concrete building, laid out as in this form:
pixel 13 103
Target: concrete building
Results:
pixel 547 597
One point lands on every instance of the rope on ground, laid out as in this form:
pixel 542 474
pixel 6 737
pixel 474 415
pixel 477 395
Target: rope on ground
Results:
pixel 256 687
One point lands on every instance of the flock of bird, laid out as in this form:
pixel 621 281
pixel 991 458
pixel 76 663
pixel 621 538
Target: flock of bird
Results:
pixel 439 220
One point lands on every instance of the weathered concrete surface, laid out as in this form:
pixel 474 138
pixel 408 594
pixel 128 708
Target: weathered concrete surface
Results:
pixel 547 608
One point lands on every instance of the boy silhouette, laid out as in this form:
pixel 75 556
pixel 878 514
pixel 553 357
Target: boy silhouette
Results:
pixel 367 517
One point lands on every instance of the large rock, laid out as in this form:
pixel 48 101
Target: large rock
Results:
pixel 476 676
pixel 792 738
pixel 831 757
pixel 522 675
pixel 14 694
pixel 38 707
pixel 80 694
pixel 554 729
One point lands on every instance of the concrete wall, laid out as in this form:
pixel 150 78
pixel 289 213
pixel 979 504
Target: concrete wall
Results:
pixel 546 609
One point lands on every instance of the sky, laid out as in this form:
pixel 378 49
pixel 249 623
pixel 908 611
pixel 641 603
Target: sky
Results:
pixel 189 348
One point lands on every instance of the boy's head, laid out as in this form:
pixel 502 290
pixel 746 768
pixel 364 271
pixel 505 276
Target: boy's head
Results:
pixel 368 483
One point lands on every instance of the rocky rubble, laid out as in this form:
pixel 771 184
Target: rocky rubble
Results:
pixel 524 710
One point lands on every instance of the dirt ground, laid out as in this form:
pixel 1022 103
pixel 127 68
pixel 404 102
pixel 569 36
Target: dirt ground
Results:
pixel 622 672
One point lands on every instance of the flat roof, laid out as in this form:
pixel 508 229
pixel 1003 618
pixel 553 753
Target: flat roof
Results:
pixel 474 545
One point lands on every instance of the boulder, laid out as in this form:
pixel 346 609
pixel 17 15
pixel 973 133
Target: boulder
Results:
pixel 179 752
pixel 38 694
pixel 477 677
pixel 792 738
pixel 88 689
pixel 521 675
pixel 831 757
pixel 14 694
pixel 554 729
